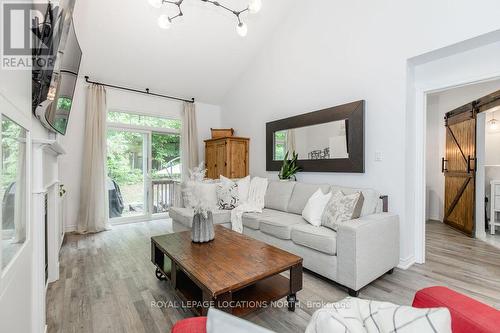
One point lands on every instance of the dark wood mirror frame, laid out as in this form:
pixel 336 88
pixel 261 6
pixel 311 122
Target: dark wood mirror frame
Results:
pixel 353 112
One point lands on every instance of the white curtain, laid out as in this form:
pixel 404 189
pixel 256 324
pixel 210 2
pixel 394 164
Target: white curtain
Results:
pixel 20 194
pixel 290 141
pixel 189 139
pixel 94 206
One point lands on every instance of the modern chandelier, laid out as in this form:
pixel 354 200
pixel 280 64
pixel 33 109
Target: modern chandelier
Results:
pixel 165 21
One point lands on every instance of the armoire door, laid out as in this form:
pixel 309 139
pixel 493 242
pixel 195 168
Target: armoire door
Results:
pixel 238 158
pixel 220 158
pixel 459 171
pixel 210 160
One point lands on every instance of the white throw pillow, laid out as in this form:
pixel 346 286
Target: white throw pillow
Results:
pixel 314 208
pixel 342 208
pixel 227 194
pixel 357 315
pixel 243 188
pixel 406 319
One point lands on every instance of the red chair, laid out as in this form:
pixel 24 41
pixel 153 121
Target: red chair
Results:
pixel 191 325
pixel 467 314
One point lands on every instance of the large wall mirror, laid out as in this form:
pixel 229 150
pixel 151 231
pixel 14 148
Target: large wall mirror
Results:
pixel 329 140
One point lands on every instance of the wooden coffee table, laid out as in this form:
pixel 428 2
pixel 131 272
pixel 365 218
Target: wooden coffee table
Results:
pixel 234 272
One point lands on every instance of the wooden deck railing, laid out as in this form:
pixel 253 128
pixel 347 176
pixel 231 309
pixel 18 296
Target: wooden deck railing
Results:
pixel 163 195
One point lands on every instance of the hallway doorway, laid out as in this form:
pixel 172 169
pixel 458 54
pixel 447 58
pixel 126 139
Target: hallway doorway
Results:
pixel 458 126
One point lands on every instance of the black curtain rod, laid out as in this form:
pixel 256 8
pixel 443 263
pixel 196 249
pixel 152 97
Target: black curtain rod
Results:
pixel 147 92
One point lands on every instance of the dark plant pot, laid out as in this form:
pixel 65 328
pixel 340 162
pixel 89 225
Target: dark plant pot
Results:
pixel 202 230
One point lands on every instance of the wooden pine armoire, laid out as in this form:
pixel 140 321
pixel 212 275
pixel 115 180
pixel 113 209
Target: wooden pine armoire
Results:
pixel 227 156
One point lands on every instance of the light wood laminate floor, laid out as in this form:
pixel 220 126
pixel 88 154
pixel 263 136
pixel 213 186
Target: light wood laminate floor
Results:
pixel 107 282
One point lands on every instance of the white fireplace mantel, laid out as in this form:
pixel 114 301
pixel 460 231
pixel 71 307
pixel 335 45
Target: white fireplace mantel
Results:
pixel 52 145
pixel 45 184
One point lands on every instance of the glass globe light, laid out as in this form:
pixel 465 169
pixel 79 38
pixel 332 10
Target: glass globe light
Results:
pixel 242 29
pixel 164 21
pixel 254 6
pixel 156 3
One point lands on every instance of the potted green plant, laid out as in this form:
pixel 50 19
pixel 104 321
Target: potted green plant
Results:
pixel 289 167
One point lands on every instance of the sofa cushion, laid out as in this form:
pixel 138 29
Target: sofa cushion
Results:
pixel 278 194
pixel 280 225
pixel 251 220
pixel 185 216
pixel 317 238
pixel 371 198
pixel 301 193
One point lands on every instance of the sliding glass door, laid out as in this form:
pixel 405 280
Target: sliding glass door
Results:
pixel 127 171
pixel 143 164
pixel 166 170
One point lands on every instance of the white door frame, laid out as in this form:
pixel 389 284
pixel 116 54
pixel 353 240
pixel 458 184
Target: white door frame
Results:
pixel 421 93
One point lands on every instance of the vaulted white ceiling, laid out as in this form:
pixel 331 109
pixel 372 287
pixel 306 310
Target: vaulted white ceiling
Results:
pixel 200 56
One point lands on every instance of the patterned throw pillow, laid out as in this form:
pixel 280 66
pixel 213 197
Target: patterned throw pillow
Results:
pixel 227 195
pixel 357 315
pixel 341 208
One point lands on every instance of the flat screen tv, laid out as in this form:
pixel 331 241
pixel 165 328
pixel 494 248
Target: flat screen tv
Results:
pixel 54 82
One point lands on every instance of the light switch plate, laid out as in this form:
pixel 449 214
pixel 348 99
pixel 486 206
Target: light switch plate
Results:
pixel 378 156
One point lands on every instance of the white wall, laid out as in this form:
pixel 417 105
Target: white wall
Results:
pixel 335 52
pixel 437 106
pixel 491 170
pixel 71 163
pixel 492 140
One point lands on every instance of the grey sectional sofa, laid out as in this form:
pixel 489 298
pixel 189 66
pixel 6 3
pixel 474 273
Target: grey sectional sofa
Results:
pixel 361 251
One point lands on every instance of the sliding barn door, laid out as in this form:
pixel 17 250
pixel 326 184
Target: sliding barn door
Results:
pixel 459 170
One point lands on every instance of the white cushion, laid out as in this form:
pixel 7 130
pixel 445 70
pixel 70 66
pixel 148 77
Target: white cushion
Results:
pixel 341 208
pixel 227 194
pixel 314 208
pixel 371 198
pixel 243 188
pixel 365 316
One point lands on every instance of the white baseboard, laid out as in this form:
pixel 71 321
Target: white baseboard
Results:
pixel 481 235
pixel 69 228
pixel 406 263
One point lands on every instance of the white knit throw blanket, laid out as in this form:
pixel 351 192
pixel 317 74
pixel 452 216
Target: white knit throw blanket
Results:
pixel 254 204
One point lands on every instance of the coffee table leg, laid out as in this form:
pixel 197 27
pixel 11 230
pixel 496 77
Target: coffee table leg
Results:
pixel 221 302
pixel 207 299
pixel 158 259
pixel 173 274
pixel 295 285
pixel 291 300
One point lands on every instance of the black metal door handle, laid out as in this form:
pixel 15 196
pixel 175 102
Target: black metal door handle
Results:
pixel 469 159
pixel 443 161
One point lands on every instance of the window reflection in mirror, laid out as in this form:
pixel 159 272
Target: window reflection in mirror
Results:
pixel 315 142
pixel 13 189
